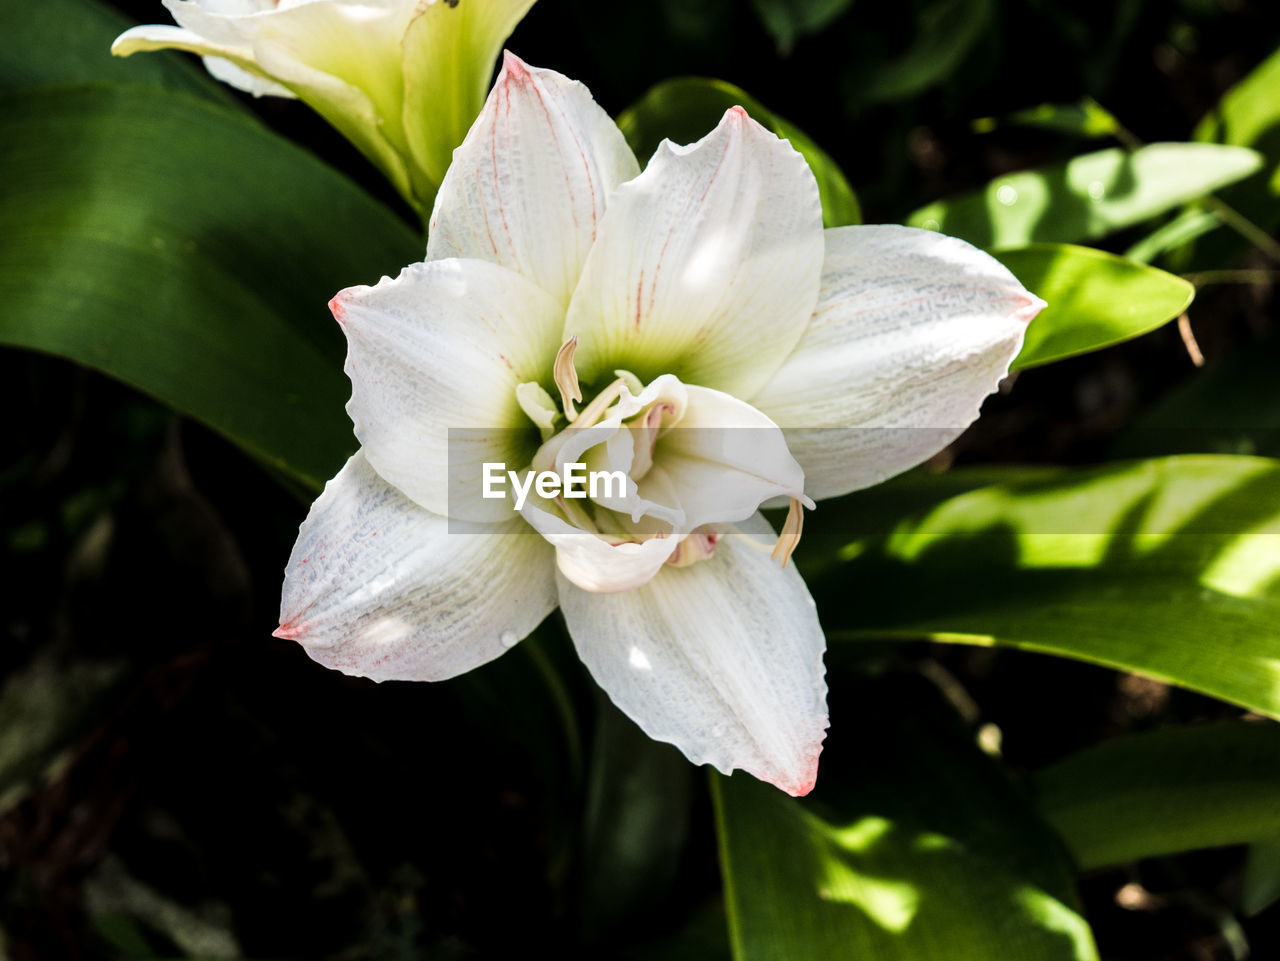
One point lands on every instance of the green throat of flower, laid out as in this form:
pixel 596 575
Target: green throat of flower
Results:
pixel 622 425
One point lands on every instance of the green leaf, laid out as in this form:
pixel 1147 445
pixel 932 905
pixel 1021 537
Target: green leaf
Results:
pixel 1182 229
pixel 1095 299
pixel 687 108
pixel 1249 112
pixel 787 20
pixel 1248 115
pixel 185 250
pixel 639 801
pixel 1085 118
pixel 1168 568
pixel 1229 407
pixel 63 42
pixel 1261 886
pixel 1161 792
pixel 1089 196
pixel 945 31
pixel 879 863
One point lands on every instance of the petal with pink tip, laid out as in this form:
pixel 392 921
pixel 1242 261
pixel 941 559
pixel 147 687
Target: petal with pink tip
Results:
pixel 912 330
pixel 528 187
pixel 378 587
pixel 723 659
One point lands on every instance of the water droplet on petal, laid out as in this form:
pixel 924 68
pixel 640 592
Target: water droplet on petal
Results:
pixel 1097 189
pixel 1007 195
pixel 509 639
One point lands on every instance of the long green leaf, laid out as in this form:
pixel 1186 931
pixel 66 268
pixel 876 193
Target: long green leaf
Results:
pixel 1166 791
pixel 915 847
pixel 1084 118
pixel 1095 299
pixel 1248 115
pixel 1249 112
pixel 185 250
pixel 63 42
pixel 686 108
pixel 1090 196
pixel 1169 568
pixel 639 801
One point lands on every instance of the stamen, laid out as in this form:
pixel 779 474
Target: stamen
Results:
pixel 599 404
pixel 789 539
pixel 566 376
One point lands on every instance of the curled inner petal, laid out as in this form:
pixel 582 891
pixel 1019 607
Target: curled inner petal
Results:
pixel 698 546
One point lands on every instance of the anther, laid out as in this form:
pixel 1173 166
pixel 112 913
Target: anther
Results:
pixel 789 539
pixel 566 376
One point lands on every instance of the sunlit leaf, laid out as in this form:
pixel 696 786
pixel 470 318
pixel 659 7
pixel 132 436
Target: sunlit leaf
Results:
pixel 1249 112
pixel 1182 229
pixel 1089 196
pixel 686 108
pixel 1168 568
pixel 915 847
pixel 1085 118
pixel 1095 299
pixel 187 251
pixel 1248 115
pixel 1161 792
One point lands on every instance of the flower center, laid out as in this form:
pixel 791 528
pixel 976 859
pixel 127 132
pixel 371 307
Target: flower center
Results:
pixel 619 432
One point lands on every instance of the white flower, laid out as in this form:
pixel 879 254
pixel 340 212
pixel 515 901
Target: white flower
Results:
pixel 401 79
pixel 662 313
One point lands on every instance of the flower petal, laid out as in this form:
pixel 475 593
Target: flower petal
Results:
pixel 706 265
pixel 528 186
pixel 443 348
pixel 912 330
pixel 723 460
pixel 722 659
pixel 229 62
pixel 449 53
pixel 343 60
pixel 594 564
pixel 379 587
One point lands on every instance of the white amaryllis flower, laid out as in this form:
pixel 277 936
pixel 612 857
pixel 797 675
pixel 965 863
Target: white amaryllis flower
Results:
pixel 693 326
pixel 401 79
